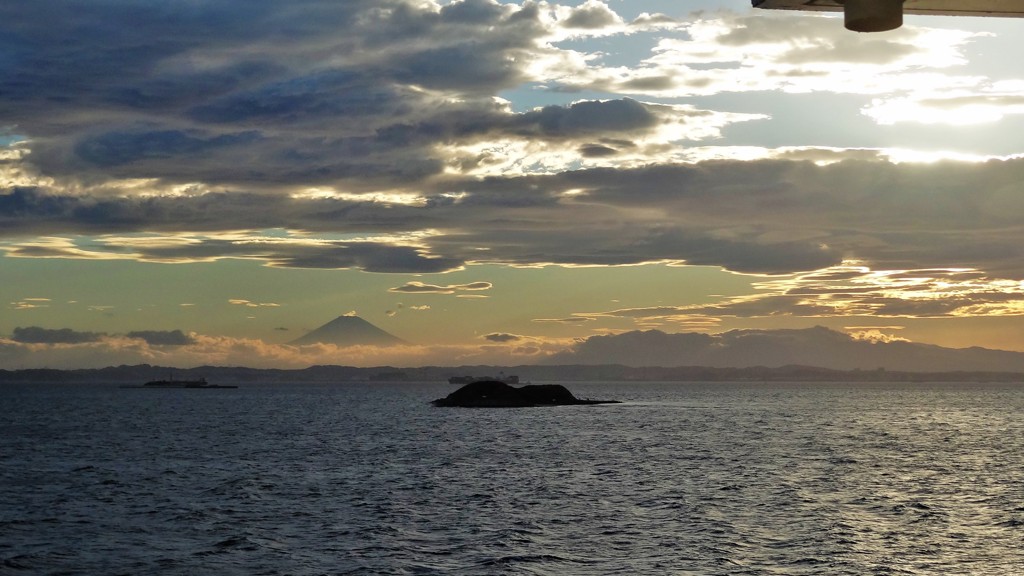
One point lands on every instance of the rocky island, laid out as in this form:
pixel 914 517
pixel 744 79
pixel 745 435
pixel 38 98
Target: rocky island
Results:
pixel 494 394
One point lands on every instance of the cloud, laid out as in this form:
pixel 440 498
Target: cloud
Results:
pixel 162 337
pixel 768 216
pixel 417 287
pixel 371 257
pixel 119 148
pixel 570 320
pixel 961 107
pixel 37 335
pixel 249 304
pixel 389 91
pixel 502 337
pixel 30 303
pixel 876 335
pixel 203 97
pixel 850 290
pixel 373 100
pixel 765 52
pixel 591 15
pixel 383 255
pixel 399 307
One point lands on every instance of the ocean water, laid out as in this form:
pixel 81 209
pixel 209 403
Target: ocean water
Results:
pixel 684 479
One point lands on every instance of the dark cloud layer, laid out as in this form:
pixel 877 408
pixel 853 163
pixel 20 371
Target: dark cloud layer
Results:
pixel 162 337
pixel 300 92
pixel 37 335
pixel 119 148
pixel 360 131
pixel 771 216
pixel 276 95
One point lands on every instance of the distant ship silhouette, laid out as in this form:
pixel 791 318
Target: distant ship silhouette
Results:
pixel 349 331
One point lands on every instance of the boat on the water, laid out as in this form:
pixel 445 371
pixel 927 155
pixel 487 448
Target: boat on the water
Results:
pixel 172 383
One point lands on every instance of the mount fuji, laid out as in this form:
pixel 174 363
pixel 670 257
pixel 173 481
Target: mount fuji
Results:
pixel 349 331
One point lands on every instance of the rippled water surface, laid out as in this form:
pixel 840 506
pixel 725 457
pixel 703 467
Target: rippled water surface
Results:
pixel 369 479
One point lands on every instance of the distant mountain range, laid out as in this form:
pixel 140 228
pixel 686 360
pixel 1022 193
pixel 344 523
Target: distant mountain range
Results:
pixel 812 354
pixel 349 331
pixel 816 346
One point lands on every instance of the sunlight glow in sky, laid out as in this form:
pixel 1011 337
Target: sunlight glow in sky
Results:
pixel 455 170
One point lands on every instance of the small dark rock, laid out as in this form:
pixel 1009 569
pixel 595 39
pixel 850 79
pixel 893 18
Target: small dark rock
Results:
pixel 494 394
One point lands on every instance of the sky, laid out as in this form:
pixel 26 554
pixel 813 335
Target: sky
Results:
pixel 187 183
